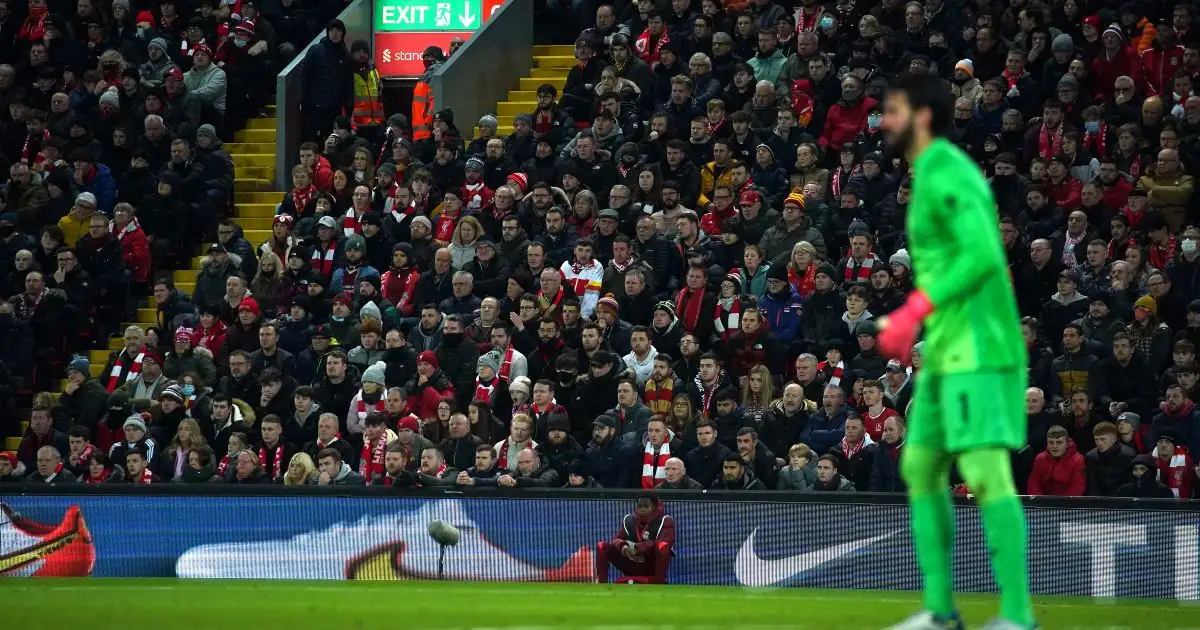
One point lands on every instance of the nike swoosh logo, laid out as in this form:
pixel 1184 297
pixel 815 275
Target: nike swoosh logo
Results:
pixel 752 570
pixel 20 558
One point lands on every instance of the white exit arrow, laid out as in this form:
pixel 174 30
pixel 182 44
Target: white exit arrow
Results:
pixel 466 17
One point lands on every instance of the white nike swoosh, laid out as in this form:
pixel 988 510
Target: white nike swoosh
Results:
pixel 752 570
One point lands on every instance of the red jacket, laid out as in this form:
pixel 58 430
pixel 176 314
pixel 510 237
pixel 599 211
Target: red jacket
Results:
pixel 1105 71
pixel 1175 472
pixel 1062 477
pixel 646 533
pixel 400 286
pixel 1068 193
pixel 323 175
pixel 842 123
pixel 1158 69
pixel 135 250
pixel 1117 195
pixel 424 403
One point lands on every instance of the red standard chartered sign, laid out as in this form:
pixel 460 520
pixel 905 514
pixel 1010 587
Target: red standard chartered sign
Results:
pixel 405 28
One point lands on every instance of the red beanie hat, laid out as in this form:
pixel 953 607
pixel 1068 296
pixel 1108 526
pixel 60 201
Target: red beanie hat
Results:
pixel 409 422
pixel 249 304
pixel 521 180
pixel 144 16
pixel 11 457
pixel 428 357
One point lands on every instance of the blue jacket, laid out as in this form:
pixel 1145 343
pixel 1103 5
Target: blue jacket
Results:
pixel 824 432
pixel 783 315
pixel 364 272
pixel 607 464
pixel 104 187
pixel 885 470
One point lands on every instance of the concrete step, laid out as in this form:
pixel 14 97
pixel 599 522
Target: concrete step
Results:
pixel 565 62
pixel 258 210
pixel 254 223
pixel 115 344
pixel 247 171
pixel 12 443
pixel 559 50
pixel 262 160
pixel 146 315
pixel 239 148
pixel 186 275
pixel 252 185
pixel 99 356
pixel 521 95
pixel 501 132
pixel 261 123
pixel 257 237
pixel 515 108
pixel 96 369
pixel 549 73
pixel 271 108
pixel 258 135
pixel 528 83
pixel 241 197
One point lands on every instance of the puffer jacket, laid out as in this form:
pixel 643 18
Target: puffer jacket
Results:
pixel 1061 477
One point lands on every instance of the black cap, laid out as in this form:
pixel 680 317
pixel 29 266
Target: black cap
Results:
pixel 605 420
pixel 867 328
pixel 217 248
pixel 603 357
pixel 321 331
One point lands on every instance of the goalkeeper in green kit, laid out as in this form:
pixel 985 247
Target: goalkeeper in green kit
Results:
pixel 969 396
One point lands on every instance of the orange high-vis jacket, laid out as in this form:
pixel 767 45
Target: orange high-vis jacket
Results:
pixel 368 108
pixel 422 111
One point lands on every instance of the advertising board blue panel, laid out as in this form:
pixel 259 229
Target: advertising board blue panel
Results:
pixel 1073 551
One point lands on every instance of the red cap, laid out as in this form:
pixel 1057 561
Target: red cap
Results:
pixel 153 355
pixel 341 297
pixel 249 304
pixel 202 48
pixel 520 179
pixel 1092 21
pixel 428 357
pixel 748 197
pixel 144 16
pixel 174 72
pixel 246 27
pixel 409 422
pixel 283 218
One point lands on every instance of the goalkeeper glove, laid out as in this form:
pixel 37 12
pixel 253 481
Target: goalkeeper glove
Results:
pixel 898 331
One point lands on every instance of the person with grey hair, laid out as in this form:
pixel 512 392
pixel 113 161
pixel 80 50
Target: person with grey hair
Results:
pixel 677 477
pixel 50 470
pixel 463 302
pixel 707 86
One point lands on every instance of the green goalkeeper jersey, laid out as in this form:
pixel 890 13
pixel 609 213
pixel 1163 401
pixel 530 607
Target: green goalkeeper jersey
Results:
pixel 959 262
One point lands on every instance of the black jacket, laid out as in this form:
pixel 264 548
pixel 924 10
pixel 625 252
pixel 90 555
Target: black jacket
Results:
pixel 704 463
pixel 605 463
pixel 1108 471
pixel 328 76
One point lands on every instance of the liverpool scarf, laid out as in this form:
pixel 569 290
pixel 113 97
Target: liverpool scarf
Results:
pixel 839 370
pixel 1095 141
pixel 222 466
pixel 379 405
pixel 654 466
pixel 84 456
pixel 277 465
pixel 804 285
pixel 351 222
pixel 687 306
pixel 322 262
pixel 484 390
pixel 1049 146
pixel 443 229
pixel 728 319
pixel 372 458
pixel 300 199
pixel 850 450
pixel 146 477
pixel 659 396
pixel 120 375
pixel 835 182
pixel 862 272
pixel 506 365
pixel 508 445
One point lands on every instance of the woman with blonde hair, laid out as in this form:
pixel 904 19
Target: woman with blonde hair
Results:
pixel 267 285
pixel 300 471
pixel 802 268
pixel 757 394
pixel 462 244
pixel 188 436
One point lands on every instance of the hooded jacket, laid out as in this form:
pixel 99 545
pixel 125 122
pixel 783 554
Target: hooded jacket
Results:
pixel 1058 476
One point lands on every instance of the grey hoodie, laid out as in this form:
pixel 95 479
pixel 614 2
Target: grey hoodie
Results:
pixel 347 477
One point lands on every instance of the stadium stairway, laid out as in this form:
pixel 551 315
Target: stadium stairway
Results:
pixel 253 152
pixel 550 65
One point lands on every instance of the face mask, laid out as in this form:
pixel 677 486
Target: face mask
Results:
pixel 189 389
pixel 564 377
pixel 1188 246
pixel 873 121
pixel 849 95
pixel 826 22
pixel 1091 126
pixel 141 33
pixel 239 43
pixel 337 318
pixel 452 339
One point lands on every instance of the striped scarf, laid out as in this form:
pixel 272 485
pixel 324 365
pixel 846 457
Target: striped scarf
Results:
pixel 731 314
pixel 146 478
pixel 300 199
pixel 835 182
pixel 483 391
pixel 118 371
pixel 277 465
pixel 322 262
pixel 505 446
pixel 372 458
pixel 351 223
pixel 379 405
pixel 659 396
pixel 839 370
pixel 687 305
pixel 863 272
pixel 654 466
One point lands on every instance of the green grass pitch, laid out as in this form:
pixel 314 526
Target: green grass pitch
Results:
pixel 167 604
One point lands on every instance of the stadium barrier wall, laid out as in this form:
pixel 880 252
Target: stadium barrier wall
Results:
pixel 289 85
pixel 482 71
pixel 1144 549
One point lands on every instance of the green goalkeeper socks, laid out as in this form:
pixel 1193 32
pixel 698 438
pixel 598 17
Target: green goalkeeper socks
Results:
pixel 989 475
pixel 927 474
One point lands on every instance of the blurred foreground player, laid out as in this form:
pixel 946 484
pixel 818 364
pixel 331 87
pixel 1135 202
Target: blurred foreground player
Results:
pixel 643 546
pixel 968 399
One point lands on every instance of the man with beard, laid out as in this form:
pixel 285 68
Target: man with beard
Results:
pixel 484 471
pixel 337 387
pixel 549 119
pixel 559 451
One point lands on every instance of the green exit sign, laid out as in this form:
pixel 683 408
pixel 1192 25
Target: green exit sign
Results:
pixel 428 15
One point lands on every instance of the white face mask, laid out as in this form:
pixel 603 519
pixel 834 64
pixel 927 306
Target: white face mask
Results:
pixel 1188 246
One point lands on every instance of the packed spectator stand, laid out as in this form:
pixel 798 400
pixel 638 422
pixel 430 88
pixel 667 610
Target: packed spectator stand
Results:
pixel 665 276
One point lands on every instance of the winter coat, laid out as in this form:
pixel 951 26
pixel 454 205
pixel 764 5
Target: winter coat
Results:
pixel 885 472
pixel 1063 476
pixel 208 85
pixel 1109 470
pixel 798 480
pixel 823 431
pixel 704 463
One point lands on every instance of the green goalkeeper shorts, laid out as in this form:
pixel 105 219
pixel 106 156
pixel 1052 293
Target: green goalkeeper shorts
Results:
pixel 955 413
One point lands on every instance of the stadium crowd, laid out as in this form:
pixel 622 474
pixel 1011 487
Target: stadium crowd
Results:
pixel 667 275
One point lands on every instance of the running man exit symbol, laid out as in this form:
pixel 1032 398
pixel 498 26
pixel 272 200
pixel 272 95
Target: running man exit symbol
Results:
pixel 443 14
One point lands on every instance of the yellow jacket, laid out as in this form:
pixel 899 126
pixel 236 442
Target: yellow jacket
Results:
pixel 73 227
pixel 368 107
pixel 712 175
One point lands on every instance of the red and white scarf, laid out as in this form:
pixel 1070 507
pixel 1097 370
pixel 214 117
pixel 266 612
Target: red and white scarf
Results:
pixel 93 480
pixel 84 456
pixel 115 379
pixel 363 410
pixel 222 466
pixel 654 466
pixel 27 306
pixel 301 198
pixel 835 182
pixel 506 365
pixel 323 261
pixel 1135 166
pixel 839 370
pixel 506 446
pixel 863 272
pixel 483 391
pixel 277 465
pixel 807 22
pixel 351 223
pixel 658 396
pixel 804 285
pixel 372 458
pixel 146 478
pixel 443 229
pixel 38 158
pixel 1012 78
pixel 1094 141
pixel 733 314
pixel 437 474
pixel 687 305
pixel 1049 146
pixel 850 450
